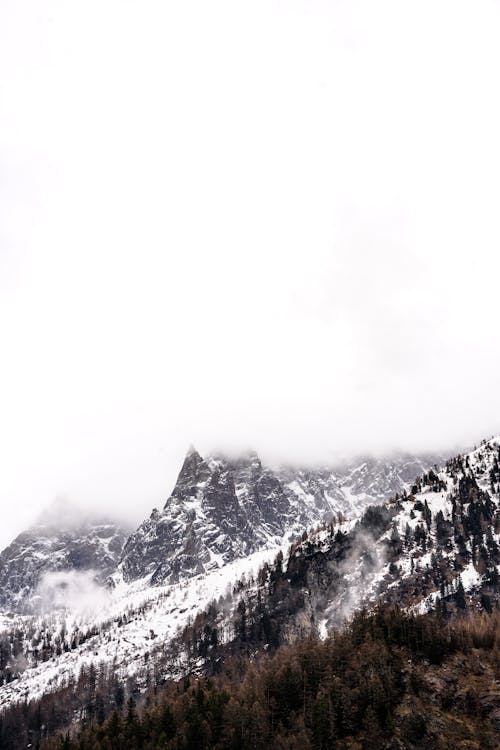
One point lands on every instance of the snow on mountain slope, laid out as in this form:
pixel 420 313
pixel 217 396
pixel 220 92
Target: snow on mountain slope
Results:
pixel 420 548
pixel 224 517
pixel 446 533
pixel 435 546
pixel 125 633
pixel 222 509
pixel 63 539
pixel 204 524
pixel 350 487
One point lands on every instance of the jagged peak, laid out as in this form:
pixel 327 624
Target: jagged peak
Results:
pixel 192 469
pixel 191 460
pixel 192 451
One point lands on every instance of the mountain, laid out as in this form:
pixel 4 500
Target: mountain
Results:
pixel 220 510
pixel 389 681
pixel 224 520
pixel 224 509
pixel 432 548
pixel 62 539
pixel 350 487
pixel 436 546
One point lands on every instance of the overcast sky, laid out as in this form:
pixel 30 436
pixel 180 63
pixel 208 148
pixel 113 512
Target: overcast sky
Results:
pixel 268 224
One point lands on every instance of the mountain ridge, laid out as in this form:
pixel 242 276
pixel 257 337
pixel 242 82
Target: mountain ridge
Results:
pixel 283 593
pixel 223 508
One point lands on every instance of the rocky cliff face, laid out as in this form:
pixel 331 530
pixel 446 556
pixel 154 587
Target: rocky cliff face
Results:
pixel 434 546
pixel 222 509
pixel 350 487
pixel 63 539
pixel 219 510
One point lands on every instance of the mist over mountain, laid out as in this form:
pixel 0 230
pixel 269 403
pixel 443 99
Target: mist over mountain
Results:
pixel 221 509
pixel 242 560
pixel 269 230
pixel 63 540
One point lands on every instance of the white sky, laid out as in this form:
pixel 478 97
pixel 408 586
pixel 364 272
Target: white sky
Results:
pixel 267 223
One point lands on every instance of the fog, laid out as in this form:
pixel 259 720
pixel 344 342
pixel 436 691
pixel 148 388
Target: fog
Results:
pixel 359 571
pixel 268 224
pixel 75 591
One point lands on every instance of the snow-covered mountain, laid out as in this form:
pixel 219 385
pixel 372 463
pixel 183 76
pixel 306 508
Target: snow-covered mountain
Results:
pixel 63 539
pixel 224 520
pixel 436 545
pixel 220 510
pixel 224 509
pixel 350 487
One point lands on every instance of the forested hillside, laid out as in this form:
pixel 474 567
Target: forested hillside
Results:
pixel 388 680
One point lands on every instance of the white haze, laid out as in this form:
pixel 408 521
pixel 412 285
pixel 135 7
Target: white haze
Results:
pixel 74 591
pixel 267 224
pixel 360 569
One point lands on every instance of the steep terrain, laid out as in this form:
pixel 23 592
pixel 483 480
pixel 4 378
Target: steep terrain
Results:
pixel 223 509
pixel 388 681
pixel 224 519
pixel 63 539
pixel 220 510
pixel 352 486
pixel 435 544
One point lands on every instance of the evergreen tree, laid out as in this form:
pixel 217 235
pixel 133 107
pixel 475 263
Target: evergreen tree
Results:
pixel 460 595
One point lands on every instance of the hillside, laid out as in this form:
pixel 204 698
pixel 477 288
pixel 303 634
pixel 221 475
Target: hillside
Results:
pixel 224 519
pixel 387 681
pixel 433 547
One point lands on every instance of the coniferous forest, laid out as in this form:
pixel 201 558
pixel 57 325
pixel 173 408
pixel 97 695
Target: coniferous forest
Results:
pixel 387 680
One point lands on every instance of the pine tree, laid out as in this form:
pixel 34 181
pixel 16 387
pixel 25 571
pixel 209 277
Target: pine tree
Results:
pixel 460 595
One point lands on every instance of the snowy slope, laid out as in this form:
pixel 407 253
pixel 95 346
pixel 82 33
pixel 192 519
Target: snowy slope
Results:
pixel 129 627
pixel 415 550
pixel 349 488
pixel 64 538
pixel 223 519
pixel 223 509
pixel 420 550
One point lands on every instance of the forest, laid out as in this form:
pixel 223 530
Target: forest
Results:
pixel 389 679
pixel 260 677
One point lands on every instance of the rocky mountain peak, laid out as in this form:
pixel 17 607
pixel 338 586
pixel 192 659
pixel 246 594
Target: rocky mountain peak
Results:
pixel 223 508
pixel 193 471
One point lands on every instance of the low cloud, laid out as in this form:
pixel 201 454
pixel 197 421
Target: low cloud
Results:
pixel 308 267
pixel 70 590
pixel 358 574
